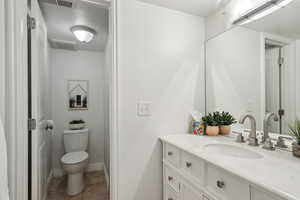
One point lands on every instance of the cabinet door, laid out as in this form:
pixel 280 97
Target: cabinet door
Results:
pixel 189 192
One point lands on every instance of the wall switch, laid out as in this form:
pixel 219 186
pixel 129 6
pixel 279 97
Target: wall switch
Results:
pixel 144 108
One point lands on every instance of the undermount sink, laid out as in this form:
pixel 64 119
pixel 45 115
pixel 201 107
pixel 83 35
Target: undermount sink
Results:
pixel 232 151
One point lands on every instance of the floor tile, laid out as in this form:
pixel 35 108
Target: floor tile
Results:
pixel 95 188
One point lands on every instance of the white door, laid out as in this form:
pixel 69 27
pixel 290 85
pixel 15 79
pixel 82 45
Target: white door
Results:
pixel 2 61
pixel 40 104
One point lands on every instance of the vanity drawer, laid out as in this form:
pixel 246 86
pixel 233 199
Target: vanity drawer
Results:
pixel 169 194
pixel 225 185
pixel 193 166
pixel 172 154
pixel 172 178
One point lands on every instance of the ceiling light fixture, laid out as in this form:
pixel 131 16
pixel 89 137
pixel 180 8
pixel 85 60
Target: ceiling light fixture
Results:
pixel 261 11
pixel 83 33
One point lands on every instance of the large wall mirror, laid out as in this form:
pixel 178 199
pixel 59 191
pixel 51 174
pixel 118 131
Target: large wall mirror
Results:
pixel 255 68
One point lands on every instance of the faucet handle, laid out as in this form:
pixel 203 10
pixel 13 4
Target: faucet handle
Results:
pixel 268 145
pixel 240 137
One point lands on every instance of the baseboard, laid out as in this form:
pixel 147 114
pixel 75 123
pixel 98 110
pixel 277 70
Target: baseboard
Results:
pixel 106 177
pixel 48 184
pixel 95 167
pixel 58 172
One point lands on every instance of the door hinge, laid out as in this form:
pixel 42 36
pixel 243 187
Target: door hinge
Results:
pixel 31 124
pixel 281 112
pixel 31 22
pixel 281 61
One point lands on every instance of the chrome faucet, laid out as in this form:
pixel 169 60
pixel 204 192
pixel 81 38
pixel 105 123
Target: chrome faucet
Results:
pixel 267 119
pixel 252 136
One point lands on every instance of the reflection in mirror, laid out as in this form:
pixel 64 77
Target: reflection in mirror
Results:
pixel 233 73
pixel 279 84
pixel 254 69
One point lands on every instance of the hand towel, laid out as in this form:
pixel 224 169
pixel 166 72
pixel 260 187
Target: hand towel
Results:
pixel 3 165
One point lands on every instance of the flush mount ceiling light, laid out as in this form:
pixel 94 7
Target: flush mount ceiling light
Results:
pixel 83 33
pixel 261 11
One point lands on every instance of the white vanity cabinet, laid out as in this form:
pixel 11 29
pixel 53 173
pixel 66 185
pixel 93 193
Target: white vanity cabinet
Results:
pixel 188 177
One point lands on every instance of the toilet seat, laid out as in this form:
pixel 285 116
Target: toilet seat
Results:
pixel 74 157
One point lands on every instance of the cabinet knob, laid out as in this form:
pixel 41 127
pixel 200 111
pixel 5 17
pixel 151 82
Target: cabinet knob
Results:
pixel 188 164
pixel 170 153
pixel 170 178
pixel 220 184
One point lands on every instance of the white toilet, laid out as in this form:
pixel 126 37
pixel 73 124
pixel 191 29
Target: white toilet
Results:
pixel 76 159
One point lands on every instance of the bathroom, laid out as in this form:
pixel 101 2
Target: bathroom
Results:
pixel 72 45
pixel 182 100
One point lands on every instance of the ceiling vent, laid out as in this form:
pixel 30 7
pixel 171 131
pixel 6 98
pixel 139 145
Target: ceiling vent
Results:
pixel 62 3
pixel 63 44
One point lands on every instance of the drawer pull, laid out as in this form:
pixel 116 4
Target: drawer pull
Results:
pixel 170 198
pixel 220 184
pixel 170 153
pixel 170 178
pixel 188 164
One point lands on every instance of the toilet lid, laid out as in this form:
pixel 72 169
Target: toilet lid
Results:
pixel 74 157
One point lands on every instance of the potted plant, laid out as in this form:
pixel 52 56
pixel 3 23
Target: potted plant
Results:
pixel 225 120
pixel 76 124
pixel 294 131
pixel 211 124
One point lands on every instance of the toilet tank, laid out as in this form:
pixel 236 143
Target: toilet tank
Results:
pixel 76 140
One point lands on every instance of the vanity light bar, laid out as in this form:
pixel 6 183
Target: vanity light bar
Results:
pixel 264 7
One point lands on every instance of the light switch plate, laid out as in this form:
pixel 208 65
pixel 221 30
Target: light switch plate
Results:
pixel 144 108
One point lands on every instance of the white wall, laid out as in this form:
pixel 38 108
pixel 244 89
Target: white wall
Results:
pixel 233 66
pixel 222 20
pixel 160 60
pixel 78 65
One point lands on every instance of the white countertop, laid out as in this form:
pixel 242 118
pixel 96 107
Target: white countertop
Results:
pixel 277 171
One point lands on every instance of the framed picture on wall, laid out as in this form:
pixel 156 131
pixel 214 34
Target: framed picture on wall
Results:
pixel 78 94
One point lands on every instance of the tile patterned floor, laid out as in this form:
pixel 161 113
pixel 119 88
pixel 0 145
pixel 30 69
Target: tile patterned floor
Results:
pixel 95 189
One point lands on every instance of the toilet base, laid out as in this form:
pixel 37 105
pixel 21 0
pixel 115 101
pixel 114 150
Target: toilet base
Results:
pixel 76 183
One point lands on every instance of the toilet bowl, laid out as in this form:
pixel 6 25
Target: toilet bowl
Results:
pixel 76 159
pixel 74 164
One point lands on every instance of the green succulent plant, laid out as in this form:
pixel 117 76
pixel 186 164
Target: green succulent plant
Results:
pixel 210 120
pixel 218 119
pixel 294 130
pixel 226 119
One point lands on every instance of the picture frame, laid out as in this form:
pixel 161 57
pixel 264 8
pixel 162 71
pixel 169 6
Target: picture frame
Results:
pixel 78 95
